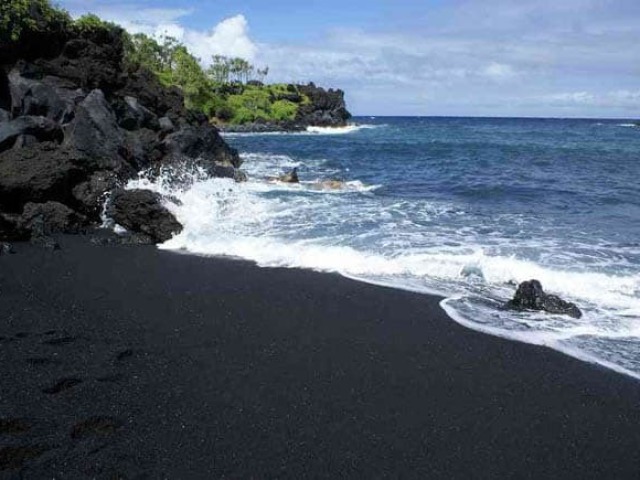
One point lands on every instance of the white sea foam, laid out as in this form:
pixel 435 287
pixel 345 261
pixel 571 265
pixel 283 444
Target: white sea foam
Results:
pixel 339 130
pixel 351 128
pixel 301 226
pixel 628 125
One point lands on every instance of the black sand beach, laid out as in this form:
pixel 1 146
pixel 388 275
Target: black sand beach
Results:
pixel 130 362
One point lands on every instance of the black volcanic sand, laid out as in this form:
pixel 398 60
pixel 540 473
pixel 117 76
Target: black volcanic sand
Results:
pixel 130 362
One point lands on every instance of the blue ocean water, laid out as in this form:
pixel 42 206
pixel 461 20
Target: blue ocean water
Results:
pixel 464 207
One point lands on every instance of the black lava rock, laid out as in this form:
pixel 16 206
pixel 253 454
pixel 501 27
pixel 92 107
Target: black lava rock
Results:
pixel 531 296
pixel 142 211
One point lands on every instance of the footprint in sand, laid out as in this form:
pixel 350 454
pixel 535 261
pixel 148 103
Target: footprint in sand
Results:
pixel 14 458
pixel 128 353
pixel 13 426
pixel 95 426
pixel 42 361
pixel 62 385
pixel 60 341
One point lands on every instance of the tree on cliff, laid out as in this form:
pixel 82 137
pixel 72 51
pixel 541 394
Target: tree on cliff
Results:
pixel 225 70
pixel 188 75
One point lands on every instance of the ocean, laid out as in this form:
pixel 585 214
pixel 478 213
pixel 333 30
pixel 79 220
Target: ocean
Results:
pixel 461 207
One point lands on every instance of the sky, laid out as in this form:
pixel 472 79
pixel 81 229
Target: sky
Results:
pixel 530 58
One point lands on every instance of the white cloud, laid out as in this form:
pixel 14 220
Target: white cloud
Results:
pixel 499 71
pixel 230 37
pixel 624 99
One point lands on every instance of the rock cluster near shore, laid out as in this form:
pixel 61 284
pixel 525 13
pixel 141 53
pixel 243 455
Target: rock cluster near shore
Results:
pixel 531 296
pixel 77 123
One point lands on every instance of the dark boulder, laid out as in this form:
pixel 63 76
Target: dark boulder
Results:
pixel 141 148
pixel 88 62
pixel 145 86
pixel 5 94
pixel 46 242
pixel 202 144
pixel 531 296
pixel 222 170
pixel 141 211
pixel 44 219
pixel 10 228
pixel 166 125
pixel 291 177
pixel 91 194
pixel 95 133
pixel 41 129
pixel 6 249
pixel 132 115
pixel 39 173
pixel 48 97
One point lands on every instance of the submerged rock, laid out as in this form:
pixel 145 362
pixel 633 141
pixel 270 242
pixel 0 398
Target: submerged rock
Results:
pixel 291 177
pixel 332 184
pixel 142 211
pixel 531 296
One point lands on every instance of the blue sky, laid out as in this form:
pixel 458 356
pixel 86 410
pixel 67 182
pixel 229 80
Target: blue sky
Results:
pixel 553 58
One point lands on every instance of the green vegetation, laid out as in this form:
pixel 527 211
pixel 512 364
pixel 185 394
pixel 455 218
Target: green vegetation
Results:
pixel 21 16
pixel 230 90
pixel 263 102
pixel 88 24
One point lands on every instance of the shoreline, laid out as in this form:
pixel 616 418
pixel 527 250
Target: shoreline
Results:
pixel 211 367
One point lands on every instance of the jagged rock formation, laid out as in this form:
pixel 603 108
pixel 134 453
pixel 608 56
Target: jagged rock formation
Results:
pixel 326 109
pixel 75 122
pixel 531 296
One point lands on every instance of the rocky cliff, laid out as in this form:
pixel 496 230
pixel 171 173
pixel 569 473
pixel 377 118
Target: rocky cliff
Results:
pixel 77 123
pixel 327 108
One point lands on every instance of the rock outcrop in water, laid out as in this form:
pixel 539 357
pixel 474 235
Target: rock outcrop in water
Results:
pixel 76 122
pixel 321 108
pixel 327 108
pixel 291 177
pixel 531 296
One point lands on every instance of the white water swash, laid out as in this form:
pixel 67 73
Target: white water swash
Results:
pixel 419 245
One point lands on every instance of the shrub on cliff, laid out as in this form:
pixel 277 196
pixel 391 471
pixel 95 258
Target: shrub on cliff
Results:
pixel 18 17
pixel 31 29
pixel 90 25
pixel 284 110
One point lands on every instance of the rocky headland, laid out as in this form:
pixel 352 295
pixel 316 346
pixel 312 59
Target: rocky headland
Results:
pixel 77 122
pixel 316 107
